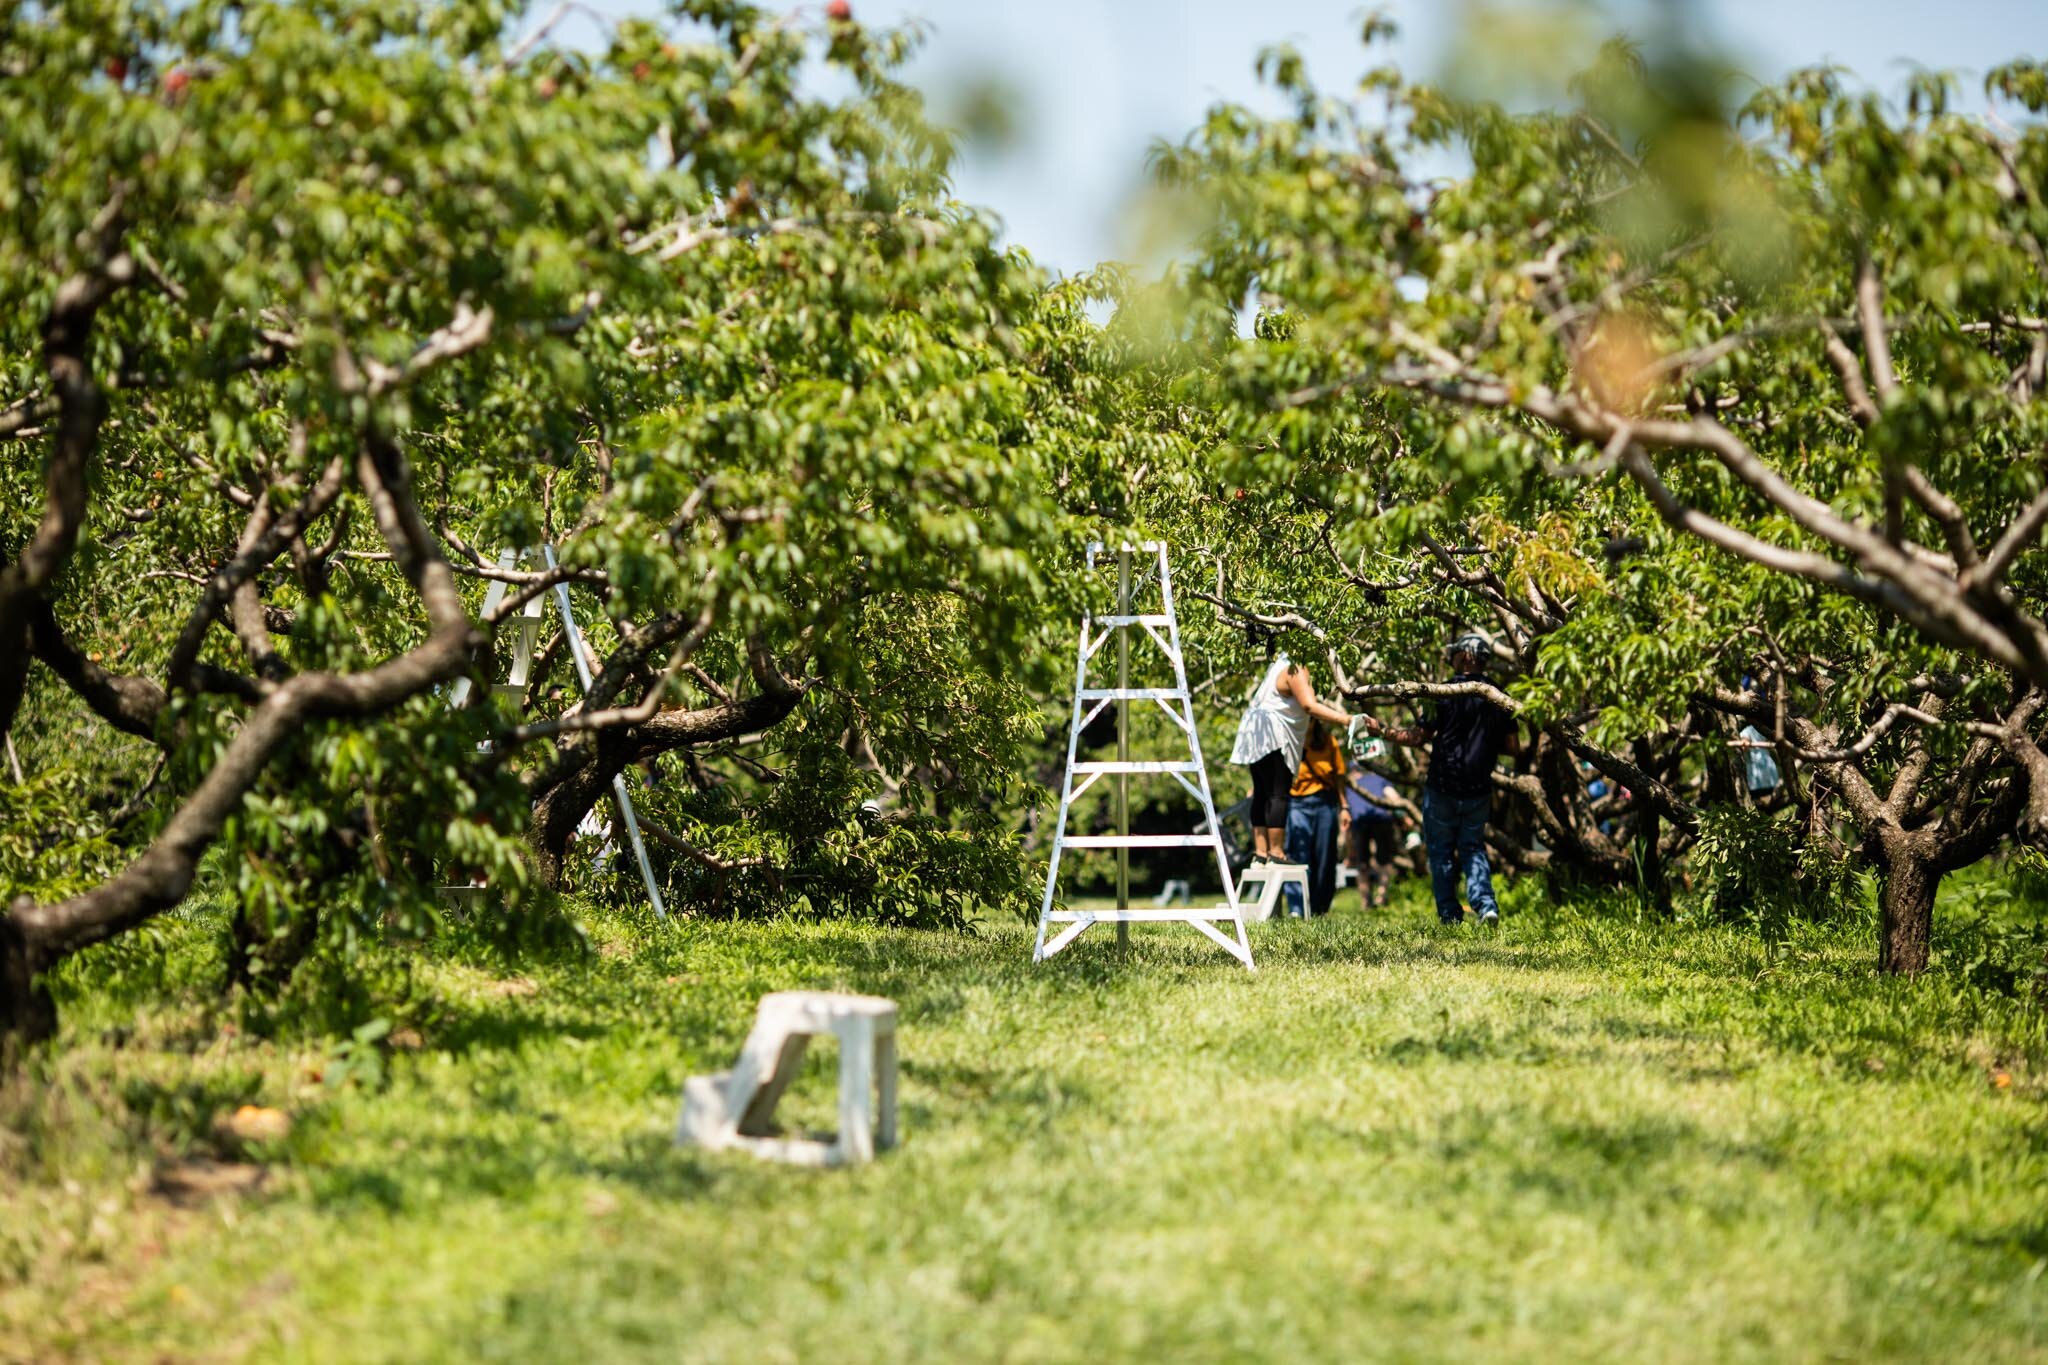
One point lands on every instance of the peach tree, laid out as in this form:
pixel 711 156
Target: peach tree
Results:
pixel 313 311
pixel 1717 410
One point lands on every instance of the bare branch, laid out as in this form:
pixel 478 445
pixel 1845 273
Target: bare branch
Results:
pixel 668 838
pixel 2024 531
pixel 621 717
pixel 1281 621
pixel 1876 338
pixel 1850 370
pixel 534 36
pixel 465 332
pixel 264 538
pixel 1942 509
pixel 1421 691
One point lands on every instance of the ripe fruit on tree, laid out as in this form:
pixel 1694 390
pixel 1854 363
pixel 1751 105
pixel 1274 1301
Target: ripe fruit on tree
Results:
pixel 175 81
pixel 839 11
pixel 117 69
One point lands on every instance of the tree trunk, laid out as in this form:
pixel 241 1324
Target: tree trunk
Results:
pixel 557 811
pixel 1908 878
pixel 26 1011
pixel 1656 876
pixel 583 778
pixel 262 961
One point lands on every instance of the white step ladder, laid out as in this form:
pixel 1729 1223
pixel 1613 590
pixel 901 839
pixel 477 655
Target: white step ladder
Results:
pixel 736 1108
pixel 1191 772
pixel 1272 878
pixel 525 634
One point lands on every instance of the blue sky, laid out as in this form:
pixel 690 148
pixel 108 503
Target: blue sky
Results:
pixel 1098 80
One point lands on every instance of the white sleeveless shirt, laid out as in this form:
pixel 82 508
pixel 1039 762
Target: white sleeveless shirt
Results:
pixel 1272 721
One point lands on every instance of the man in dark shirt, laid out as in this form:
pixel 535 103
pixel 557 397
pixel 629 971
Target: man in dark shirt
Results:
pixel 1466 734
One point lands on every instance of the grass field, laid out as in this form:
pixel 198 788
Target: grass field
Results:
pixel 1578 1137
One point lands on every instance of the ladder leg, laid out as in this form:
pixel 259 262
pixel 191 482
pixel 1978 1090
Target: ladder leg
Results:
pixel 632 823
pixel 1066 936
pixel 1180 679
pixel 1039 952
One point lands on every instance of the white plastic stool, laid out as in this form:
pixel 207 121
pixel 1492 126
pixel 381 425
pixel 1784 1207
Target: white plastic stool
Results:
pixel 736 1108
pixel 1271 878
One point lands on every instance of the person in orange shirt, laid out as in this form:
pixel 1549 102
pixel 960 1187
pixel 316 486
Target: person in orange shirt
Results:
pixel 1317 819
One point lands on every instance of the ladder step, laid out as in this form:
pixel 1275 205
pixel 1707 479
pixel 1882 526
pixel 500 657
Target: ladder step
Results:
pixel 1139 841
pixel 1133 694
pixel 1143 916
pixel 1159 620
pixel 1133 765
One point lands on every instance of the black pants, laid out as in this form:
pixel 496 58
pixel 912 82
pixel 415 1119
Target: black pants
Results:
pixel 1271 777
pixel 1372 843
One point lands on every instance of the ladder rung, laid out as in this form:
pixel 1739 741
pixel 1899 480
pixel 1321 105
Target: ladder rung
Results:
pixel 1133 694
pixel 1134 765
pixel 1143 916
pixel 1159 620
pixel 1139 840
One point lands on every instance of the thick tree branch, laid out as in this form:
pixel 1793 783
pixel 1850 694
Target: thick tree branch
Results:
pixel 129 702
pixel 162 875
pixel 81 407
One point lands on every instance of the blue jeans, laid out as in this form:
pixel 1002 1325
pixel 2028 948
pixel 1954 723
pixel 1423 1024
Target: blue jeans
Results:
pixel 1454 828
pixel 1312 839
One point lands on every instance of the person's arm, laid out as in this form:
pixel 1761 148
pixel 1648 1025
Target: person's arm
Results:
pixel 1303 688
pixel 1399 734
pixel 1404 810
pixel 1344 779
pixel 1389 799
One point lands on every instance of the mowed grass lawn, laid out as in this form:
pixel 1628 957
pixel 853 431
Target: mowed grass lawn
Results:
pixel 1578 1137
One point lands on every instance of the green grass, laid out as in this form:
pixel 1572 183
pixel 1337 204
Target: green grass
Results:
pixel 1577 1137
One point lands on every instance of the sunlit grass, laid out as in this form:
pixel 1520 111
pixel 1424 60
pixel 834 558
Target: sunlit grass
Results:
pixel 1576 1137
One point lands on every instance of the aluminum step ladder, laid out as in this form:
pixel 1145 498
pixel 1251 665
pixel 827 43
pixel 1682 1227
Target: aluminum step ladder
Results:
pixel 526 633
pixel 1163 629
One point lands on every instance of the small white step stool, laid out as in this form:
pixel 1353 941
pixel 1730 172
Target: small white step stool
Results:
pixel 1272 877
pixel 736 1108
pixel 1175 892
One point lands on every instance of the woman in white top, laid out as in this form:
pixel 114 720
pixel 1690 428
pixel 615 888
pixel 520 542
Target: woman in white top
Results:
pixel 1269 742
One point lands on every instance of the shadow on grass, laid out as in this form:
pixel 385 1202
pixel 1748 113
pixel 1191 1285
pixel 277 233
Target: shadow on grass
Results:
pixel 462 1028
pixel 519 1146
pixel 1571 1163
